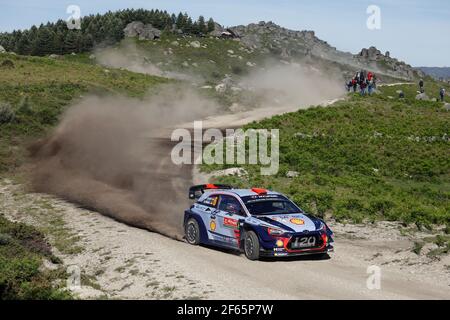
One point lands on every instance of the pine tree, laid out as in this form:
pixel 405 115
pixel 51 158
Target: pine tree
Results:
pixel 71 42
pixel 202 28
pixel 180 21
pixel 44 42
pixel 211 25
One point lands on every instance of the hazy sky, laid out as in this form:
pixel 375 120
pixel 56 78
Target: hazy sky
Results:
pixel 414 31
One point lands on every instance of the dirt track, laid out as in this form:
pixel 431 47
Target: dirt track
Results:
pixel 132 263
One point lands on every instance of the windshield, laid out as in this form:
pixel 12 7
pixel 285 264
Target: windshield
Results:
pixel 270 207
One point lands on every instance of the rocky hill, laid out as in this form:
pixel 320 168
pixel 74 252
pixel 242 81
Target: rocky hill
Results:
pixel 288 44
pixel 271 40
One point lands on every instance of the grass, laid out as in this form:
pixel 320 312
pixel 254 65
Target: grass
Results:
pixel 364 159
pixel 22 251
pixel 36 90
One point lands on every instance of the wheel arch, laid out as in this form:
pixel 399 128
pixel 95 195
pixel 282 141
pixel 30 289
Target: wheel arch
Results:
pixel 203 233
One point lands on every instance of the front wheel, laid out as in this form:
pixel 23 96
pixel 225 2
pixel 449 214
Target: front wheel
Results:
pixel 251 245
pixel 192 232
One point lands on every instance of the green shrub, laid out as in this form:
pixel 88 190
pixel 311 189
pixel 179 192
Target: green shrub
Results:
pixel 7 114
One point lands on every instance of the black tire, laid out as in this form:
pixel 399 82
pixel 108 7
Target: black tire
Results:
pixel 192 232
pixel 251 245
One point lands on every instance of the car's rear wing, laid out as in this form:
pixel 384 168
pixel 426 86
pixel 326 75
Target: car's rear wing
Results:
pixel 195 192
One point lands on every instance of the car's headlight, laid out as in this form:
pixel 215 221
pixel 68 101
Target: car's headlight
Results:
pixel 275 231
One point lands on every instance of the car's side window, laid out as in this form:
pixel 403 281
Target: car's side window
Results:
pixel 231 205
pixel 211 201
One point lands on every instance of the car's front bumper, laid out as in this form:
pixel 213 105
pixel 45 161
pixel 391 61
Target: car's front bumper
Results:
pixel 282 252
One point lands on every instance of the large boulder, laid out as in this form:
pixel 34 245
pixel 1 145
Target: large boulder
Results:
pixel 218 30
pixel 422 96
pixel 141 30
pixel 2 50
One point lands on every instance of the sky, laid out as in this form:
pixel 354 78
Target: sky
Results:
pixel 414 31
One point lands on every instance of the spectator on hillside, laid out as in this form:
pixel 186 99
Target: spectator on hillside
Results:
pixel 421 86
pixel 370 85
pixel 363 86
pixel 442 94
pixel 401 94
pixel 349 85
pixel 354 84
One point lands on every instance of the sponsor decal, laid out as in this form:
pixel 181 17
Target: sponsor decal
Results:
pixel 297 221
pixel 212 225
pixel 212 201
pixel 230 223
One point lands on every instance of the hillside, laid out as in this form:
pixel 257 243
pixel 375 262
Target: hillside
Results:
pixel 437 73
pixel 359 160
pixel 364 159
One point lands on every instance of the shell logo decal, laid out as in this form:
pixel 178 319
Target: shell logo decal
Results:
pixel 212 225
pixel 297 221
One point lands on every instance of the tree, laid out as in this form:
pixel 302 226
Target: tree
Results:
pixel 202 28
pixel 44 42
pixel 211 25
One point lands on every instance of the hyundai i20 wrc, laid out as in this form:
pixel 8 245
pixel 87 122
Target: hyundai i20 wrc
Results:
pixel 259 222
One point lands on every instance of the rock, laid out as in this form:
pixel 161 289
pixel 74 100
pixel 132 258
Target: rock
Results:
pixel 230 51
pixel 423 97
pixel 53 56
pixel 447 106
pixel 2 50
pixel 221 88
pixel 218 30
pixel 231 172
pixel 250 64
pixel 175 43
pixel 292 174
pixel 141 30
pixel 195 44
pixel 185 64
pixel 92 57
pixel 133 29
pixel 149 33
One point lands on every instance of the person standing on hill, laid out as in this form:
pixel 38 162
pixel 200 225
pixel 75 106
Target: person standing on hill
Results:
pixel 442 94
pixel 421 86
pixel 370 85
pixel 362 86
pixel 354 84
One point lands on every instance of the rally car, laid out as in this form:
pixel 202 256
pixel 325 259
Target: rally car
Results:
pixel 259 222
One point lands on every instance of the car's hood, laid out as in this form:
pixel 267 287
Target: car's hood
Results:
pixel 292 222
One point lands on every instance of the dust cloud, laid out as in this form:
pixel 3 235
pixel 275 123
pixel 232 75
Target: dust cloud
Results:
pixel 112 154
pixel 109 154
pixel 293 85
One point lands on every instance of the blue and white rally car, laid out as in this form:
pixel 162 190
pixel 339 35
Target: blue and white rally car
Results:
pixel 259 222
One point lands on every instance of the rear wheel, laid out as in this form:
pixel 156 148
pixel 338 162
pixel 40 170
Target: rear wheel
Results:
pixel 192 232
pixel 251 245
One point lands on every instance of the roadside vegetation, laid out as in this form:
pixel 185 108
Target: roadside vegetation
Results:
pixel 22 276
pixel 35 91
pixel 364 159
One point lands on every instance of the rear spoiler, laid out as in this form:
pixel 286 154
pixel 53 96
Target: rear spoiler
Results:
pixel 195 192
